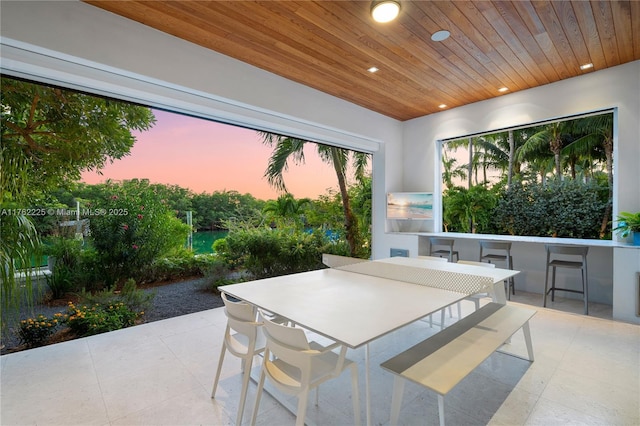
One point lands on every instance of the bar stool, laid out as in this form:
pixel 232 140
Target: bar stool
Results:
pixel 563 250
pixel 443 242
pixel 492 257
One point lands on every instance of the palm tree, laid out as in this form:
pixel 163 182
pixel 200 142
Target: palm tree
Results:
pixel 293 148
pixel 598 136
pixel 451 171
pixel 549 135
pixel 286 207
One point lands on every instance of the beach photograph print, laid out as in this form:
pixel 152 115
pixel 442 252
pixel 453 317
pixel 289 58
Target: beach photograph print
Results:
pixel 410 205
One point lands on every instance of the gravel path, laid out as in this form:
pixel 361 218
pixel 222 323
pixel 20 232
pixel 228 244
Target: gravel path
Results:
pixel 171 300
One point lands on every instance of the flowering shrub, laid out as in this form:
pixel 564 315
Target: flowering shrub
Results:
pixel 135 227
pixel 36 331
pixel 88 320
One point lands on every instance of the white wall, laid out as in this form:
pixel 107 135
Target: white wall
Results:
pixel 617 87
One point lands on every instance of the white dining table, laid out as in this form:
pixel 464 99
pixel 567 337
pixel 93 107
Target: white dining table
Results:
pixel 354 308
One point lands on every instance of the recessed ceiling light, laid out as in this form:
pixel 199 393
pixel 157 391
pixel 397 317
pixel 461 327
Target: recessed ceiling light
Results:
pixel 440 35
pixel 385 10
pixel 586 66
pixel 442 106
pixel 503 89
pixel 373 69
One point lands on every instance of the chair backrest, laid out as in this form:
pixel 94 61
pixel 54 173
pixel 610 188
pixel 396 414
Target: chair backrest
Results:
pixel 567 250
pixel 495 245
pixel 288 344
pixel 241 317
pixel 435 258
pixel 475 263
pixel 441 241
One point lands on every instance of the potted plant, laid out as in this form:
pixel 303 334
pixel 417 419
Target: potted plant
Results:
pixel 629 224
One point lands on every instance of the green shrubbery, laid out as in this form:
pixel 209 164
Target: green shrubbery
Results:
pixel 569 208
pixel 266 252
pixel 181 264
pixel 133 229
pixel 103 311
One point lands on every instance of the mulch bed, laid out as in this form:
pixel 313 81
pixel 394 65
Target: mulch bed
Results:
pixel 171 299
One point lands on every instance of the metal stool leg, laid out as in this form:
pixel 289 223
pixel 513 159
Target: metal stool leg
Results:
pixel 546 284
pixel 553 283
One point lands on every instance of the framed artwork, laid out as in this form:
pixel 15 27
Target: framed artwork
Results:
pixel 410 205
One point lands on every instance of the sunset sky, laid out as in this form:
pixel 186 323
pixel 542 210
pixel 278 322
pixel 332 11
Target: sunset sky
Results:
pixel 205 156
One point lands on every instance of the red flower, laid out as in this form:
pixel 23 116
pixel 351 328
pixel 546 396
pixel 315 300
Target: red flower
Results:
pixel 125 227
pixel 135 247
pixel 140 216
pixel 114 197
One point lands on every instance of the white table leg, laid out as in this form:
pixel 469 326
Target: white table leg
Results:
pixel 527 339
pixel 396 399
pixel 441 409
pixel 366 388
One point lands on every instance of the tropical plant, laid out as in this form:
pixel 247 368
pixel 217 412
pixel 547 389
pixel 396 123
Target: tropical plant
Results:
pixel 131 228
pixel 597 138
pixel 286 148
pixel 551 136
pixel 451 171
pixel 50 135
pixel 468 210
pixel 627 223
pixel 62 132
pixel 264 252
pixel 286 210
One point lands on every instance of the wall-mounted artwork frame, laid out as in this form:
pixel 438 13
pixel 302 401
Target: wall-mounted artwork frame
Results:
pixel 410 205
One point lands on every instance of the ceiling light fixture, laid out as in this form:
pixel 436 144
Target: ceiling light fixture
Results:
pixel 586 66
pixel 440 35
pixel 372 69
pixel 503 89
pixel 441 106
pixel 385 10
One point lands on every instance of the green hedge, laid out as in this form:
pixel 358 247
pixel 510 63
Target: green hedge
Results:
pixel 266 252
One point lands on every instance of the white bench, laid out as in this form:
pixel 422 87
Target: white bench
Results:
pixel 440 362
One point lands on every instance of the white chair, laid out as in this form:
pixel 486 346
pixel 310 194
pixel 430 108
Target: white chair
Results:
pixel 295 366
pixel 245 342
pixel 475 298
pixel 448 250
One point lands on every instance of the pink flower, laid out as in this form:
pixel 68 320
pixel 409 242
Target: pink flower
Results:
pixel 125 227
pixel 134 246
pixel 114 197
pixel 140 216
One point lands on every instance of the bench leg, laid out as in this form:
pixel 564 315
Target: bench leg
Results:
pixel 441 409
pixel 527 339
pixel 396 399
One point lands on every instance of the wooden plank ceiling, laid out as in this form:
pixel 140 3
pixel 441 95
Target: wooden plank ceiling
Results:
pixel 329 45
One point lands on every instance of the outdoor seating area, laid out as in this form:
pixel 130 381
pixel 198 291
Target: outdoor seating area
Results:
pixel 585 372
pixel 480 154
